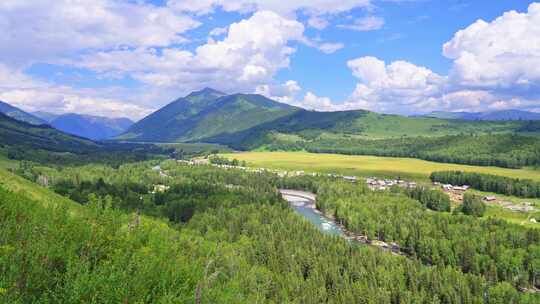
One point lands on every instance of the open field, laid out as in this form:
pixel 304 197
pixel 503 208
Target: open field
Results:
pixel 367 165
pixel 520 218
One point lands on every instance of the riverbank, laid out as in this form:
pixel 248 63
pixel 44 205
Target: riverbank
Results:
pixel 301 199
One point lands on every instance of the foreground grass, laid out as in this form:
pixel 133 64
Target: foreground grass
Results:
pixel 367 165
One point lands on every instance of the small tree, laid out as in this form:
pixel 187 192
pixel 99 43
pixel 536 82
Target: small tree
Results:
pixel 473 205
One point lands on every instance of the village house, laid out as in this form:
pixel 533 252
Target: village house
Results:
pixel 160 189
pixel 461 188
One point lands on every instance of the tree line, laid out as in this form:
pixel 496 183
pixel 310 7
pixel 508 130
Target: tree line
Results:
pixel 490 183
pixel 503 150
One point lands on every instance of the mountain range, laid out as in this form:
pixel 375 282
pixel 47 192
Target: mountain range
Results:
pixel 248 121
pixel 492 115
pixel 251 121
pixel 92 127
pixel 88 126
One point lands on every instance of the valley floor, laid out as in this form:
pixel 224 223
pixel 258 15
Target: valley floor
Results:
pixel 368 165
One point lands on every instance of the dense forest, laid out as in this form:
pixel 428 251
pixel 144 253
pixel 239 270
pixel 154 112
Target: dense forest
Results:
pixel 490 183
pixel 220 236
pixel 433 199
pixel 509 151
pixel 495 249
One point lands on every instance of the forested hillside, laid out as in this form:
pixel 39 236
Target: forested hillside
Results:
pixel 279 257
pixel 204 114
pixel 43 143
pixel 28 136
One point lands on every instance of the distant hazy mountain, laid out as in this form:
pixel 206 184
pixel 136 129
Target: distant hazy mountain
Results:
pixel 205 114
pixel 46 116
pixel 92 127
pixel 493 115
pixel 19 114
pixel 21 134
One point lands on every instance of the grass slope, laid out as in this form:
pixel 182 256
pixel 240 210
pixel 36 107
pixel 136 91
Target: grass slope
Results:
pixel 367 165
pixel 46 197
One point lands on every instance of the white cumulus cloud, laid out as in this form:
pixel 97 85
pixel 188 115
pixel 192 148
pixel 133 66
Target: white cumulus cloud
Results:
pixel 500 55
pixel 35 30
pixel 495 67
pixel 249 55
pixel 370 23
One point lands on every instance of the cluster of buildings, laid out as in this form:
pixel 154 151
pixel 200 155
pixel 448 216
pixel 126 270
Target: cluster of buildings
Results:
pixel 456 194
pixel 280 173
pixel 383 184
pixel 449 187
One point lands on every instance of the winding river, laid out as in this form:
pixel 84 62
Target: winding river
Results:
pixel 304 204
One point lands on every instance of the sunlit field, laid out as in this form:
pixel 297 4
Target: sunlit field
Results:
pixel 366 165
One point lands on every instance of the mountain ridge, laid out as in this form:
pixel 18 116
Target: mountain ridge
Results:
pixel 19 114
pixel 251 121
pixel 206 113
pixel 500 115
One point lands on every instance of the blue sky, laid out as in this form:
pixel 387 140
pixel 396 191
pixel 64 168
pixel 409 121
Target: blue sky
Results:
pixel 128 58
pixel 414 31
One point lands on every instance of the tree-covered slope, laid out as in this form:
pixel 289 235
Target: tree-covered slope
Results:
pixel 341 130
pixel 19 114
pixel 173 120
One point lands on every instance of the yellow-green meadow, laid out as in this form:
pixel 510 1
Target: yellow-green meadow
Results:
pixel 366 165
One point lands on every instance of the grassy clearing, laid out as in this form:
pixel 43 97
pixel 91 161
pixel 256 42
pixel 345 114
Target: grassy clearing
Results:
pixel 506 198
pixel 367 165
pixel 8 163
pixel 520 218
